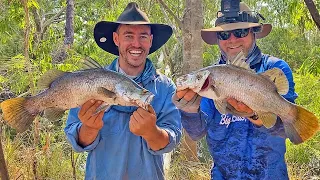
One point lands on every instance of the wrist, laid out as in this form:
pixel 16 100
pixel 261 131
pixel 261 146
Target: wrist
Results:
pixel 254 116
pixel 191 109
pixel 88 129
pixel 158 140
pixel 255 120
pixel 153 134
pixel 87 135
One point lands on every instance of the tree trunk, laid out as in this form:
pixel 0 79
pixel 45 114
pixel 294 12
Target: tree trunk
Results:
pixel 69 30
pixel 68 41
pixel 61 53
pixel 4 175
pixel 192 55
pixel 314 12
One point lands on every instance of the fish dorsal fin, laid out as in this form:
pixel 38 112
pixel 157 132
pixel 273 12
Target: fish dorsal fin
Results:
pixel 278 77
pixel 90 63
pixel 48 77
pixel 239 60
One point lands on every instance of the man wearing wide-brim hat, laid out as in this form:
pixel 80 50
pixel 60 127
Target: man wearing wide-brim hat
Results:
pixel 241 147
pixel 127 142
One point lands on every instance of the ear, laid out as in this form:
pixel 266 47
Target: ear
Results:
pixel 116 38
pixel 151 39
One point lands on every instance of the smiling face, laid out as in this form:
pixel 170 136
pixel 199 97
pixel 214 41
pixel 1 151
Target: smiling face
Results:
pixel 134 43
pixel 234 45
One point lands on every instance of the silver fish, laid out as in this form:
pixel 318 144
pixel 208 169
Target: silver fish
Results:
pixel 261 92
pixel 67 90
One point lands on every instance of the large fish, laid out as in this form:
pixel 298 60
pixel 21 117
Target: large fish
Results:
pixel 67 90
pixel 261 92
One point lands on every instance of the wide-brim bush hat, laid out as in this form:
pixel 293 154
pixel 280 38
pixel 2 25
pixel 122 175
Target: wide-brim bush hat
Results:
pixel 132 15
pixel 246 19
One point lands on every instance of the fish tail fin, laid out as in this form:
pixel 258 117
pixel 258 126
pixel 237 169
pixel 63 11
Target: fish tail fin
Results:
pixel 16 114
pixel 303 126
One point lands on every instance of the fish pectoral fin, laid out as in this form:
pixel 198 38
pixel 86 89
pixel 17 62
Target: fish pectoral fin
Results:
pixel 278 77
pixel 102 107
pixel 53 114
pixel 105 92
pixel 48 77
pixel 232 110
pixel 268 119
pixel 221 106
pixel 89 63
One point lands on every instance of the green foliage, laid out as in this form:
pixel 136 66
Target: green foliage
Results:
pixel 294 38
pixel 308 153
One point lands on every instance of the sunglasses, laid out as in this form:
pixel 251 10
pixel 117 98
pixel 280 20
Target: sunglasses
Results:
pixel 238 33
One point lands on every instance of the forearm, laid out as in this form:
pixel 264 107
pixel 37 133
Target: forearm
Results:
pixel 158 139
pixel 87 135
pixel 195 124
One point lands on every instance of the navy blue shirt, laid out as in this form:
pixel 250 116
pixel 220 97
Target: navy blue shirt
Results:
pixel 239 149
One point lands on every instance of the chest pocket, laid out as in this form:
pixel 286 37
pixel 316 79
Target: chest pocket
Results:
pixel 112 122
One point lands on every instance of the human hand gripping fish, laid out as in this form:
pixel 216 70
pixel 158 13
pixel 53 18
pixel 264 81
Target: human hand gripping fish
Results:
pixel 91 122
pixel 187 100
pixel 143 123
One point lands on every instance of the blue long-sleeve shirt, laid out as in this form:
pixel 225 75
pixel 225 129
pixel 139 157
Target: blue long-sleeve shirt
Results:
pixel 117 153
pixel 239 149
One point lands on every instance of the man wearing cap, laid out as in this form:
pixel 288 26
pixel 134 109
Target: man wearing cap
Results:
pixel 241 147
pixel 128 142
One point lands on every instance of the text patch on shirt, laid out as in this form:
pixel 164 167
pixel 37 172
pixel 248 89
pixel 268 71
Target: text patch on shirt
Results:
pixel 226 119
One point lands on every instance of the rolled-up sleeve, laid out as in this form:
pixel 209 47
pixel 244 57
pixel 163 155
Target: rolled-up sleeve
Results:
pixel 169 119
pixel 72 132
pixel 195 124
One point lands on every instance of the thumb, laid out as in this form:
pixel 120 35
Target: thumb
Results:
pixel 151 110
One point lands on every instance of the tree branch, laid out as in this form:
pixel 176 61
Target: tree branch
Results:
pixel 53 18
pixel 314 12
pixel 178 21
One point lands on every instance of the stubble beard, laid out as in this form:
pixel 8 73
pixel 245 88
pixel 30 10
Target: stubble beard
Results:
pixel 126 59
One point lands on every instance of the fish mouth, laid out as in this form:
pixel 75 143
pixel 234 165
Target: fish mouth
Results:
pixel 144 102
pixel 193 81
pixel 205 84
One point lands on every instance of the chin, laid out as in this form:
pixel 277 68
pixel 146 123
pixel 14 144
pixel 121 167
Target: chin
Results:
pixel 137 62
pixel 234 52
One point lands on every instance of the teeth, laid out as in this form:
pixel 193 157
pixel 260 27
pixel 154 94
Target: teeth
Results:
pixel 135 55
pixel 136 52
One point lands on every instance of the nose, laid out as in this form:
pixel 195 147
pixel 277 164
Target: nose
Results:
pixel 232 38
pixel 136 42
